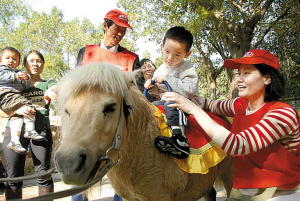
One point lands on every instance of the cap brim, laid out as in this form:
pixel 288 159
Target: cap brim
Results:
pixel 123 24
pixel 236 63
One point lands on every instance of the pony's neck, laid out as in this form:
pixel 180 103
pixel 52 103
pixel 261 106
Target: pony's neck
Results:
pixel 138 139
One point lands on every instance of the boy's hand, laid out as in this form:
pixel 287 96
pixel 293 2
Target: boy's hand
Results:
pixel 159 79
pixel 22 75
pixel 148 84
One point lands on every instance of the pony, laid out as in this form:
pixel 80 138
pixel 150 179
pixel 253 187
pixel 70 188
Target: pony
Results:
pixel 101 108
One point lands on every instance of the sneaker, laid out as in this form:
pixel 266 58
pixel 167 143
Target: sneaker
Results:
pixel 33 135
pixel 16 147
pixel 177 145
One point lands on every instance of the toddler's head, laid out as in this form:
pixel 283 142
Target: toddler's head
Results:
pixel 177 44
pixel 10 56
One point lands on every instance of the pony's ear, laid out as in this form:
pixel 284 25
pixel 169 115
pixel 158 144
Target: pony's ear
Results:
pixel 131 77
pixel 137 73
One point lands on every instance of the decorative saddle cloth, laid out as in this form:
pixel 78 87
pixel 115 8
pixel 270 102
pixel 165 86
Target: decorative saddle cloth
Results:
pixel 204 153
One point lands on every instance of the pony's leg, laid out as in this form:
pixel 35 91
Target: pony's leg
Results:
pixel 211 196
pixel 227 176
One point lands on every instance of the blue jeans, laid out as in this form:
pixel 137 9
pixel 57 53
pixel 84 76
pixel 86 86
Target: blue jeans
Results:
pixel 78 197
pixel 117 198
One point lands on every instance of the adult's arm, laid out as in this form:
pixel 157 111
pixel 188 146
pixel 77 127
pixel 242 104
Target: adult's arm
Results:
pixel 187 106
pixel 277 124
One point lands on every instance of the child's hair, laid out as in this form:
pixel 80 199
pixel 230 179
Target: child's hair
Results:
pixel 10 49
pixel 180 34
pixel 35 52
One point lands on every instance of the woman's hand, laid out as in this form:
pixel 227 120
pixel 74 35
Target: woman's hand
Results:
pixel 182 103
pixel 187 106
pixel 50 94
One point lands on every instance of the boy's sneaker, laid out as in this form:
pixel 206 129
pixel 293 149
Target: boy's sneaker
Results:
pixel 33 135
pixel 16 147
pixel 177 145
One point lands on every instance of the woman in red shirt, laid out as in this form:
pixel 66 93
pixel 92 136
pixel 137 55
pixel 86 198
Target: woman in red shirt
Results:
pixel 264 138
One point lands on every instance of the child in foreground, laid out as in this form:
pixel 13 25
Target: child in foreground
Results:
pixel 12 82
pixel 183 79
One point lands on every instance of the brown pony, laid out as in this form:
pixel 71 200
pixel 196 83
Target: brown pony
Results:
pixel 96 101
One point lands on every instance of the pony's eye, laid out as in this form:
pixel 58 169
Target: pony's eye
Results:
pixel 109 109
pixel 66 111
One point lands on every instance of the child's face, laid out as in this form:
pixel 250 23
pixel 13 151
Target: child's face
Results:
pixel 10 58
pixel 174 51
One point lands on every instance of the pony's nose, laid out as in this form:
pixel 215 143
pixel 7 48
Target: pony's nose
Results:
pixel 73 163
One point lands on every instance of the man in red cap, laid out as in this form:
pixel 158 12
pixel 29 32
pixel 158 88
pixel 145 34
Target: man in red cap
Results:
pixel 108 50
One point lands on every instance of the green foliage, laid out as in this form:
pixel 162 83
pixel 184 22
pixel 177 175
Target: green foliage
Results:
pixel 58 40
pixel 159 61
pixel 221 29
pixel 146 55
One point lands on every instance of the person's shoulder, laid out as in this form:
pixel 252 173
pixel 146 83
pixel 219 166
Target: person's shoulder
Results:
pixel 160 68
pixel 186 63
pixel 51 82
pixel 122 49
pixel 278 105
pixel 163 65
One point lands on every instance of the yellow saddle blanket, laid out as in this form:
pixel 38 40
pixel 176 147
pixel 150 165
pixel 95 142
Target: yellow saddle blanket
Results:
pixel 204 153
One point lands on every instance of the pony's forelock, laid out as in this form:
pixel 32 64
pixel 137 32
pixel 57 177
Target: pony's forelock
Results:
pixel 104 76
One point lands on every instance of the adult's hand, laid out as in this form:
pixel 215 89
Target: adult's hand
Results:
pixel 50 94
pixel 209 126
pixel 182 103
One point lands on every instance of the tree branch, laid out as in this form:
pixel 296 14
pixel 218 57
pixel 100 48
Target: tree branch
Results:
pixel 239 7
pixel 253 21
pixel 271 25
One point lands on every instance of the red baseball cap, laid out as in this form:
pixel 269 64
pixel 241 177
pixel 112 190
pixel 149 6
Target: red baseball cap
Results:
pixel 118 17
pixel 254 56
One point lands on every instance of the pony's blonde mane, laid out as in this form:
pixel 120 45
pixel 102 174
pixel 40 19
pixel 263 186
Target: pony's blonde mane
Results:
pixel 104 76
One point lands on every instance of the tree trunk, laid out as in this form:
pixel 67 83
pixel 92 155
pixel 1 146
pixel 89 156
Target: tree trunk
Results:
pixel 233 91
pixel 213 89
